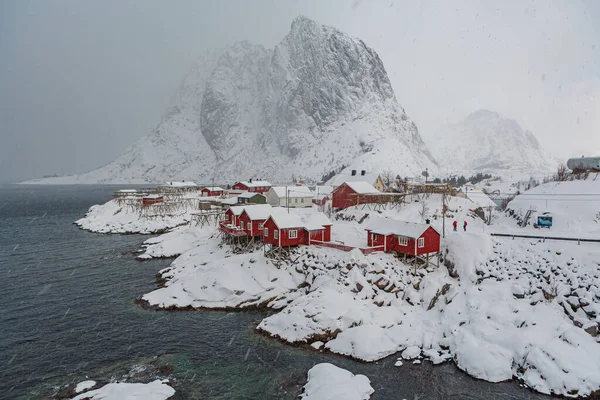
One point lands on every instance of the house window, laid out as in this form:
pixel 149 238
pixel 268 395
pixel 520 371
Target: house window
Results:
pixel 261 226
pixel 266 232
pixel 421 242
pixel 242 225
pixel 403 241
pixel 373 237
pixel 276 234
pixel 293 234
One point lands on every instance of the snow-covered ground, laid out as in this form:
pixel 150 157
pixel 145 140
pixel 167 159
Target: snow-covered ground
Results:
pixel 328 382
pixel 114 218
pixel 574 205
pixel 497 320
pixel 497 307
pixel 156 390
pixel 126 215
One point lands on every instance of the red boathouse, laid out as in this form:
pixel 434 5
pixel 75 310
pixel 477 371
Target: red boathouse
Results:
pixel 350 194
pixel 403 237
pixel 212 191
pixel 283 229
pixel 252 219
pixel 252 186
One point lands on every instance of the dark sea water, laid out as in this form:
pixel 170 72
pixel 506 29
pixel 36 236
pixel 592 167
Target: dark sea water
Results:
pixel 67 311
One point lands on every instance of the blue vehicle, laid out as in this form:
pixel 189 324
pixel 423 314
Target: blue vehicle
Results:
pixel 544 221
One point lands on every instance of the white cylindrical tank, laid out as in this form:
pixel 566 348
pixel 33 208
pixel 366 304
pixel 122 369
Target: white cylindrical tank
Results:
pixel 584 164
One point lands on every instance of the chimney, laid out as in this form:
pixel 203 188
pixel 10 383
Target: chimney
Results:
pixel 250 180
pixel 353 172
pixel 363 172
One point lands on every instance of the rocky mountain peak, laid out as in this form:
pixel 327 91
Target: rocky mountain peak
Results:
pixel 316 102
pixel 486 141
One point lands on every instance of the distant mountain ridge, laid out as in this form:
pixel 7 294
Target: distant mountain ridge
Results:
pixel 316 102
pixel 488 142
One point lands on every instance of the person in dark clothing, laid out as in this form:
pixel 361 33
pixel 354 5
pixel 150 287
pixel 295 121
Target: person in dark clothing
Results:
pixel 455 224
pixel 465 226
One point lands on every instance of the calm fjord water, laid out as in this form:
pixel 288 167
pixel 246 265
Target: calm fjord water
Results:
pixel 67 311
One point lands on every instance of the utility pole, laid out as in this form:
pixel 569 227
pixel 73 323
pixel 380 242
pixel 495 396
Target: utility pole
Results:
pixel 444 215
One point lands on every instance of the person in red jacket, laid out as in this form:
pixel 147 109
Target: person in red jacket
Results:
pixel 455 224
pixel 465 226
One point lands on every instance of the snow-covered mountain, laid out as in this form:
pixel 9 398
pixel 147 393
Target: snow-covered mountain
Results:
pixel 316 102
pixel 488 142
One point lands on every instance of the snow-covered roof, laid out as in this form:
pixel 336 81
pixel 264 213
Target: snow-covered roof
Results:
pixel 213 188
pixel 181 184
pixel 341 178
pixel 478 197
pixel 230 201
pixel 255 183
pixel 388 226
pixel 295 218
pixel 258 211
pixel 153 196
pixel 362 187
pixel 294 191
pixel 314 221
pixel 284 219
pixel 249 195
pixel 127 191
pixel 323 189
pixel 237 210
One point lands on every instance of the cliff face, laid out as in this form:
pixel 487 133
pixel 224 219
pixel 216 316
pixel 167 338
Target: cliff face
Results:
pixel 316 102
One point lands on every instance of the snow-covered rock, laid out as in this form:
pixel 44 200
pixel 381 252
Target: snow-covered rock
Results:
pixel 317 101
pixel 328 382
pixel 157 390
pixel 85 385
pixel 488 142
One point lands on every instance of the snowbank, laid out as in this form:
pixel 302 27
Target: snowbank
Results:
pixel 177 241
pixel 157 390
pixel 85 385
pixel 574 206
pixel 328 382
pixel 114 218
pixel 208 277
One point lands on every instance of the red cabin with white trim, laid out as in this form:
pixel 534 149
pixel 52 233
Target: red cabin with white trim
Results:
pixel 253 218
pixel 212 191
pixel 152 199
pixel 252 186
pixel 350 194
pixel 403 237
pixel 285 229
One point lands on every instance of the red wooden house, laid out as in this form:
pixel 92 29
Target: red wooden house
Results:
pixel 283 229
pixel 252 186
pixel 212 191
pixel 253 218
pixel 350 194
pixel 403 237
pixel 231 224
pixel 151 199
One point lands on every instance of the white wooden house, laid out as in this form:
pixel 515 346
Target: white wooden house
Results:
pixel 298 196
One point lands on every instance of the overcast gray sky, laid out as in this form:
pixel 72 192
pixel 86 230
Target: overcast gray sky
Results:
pixel 81 80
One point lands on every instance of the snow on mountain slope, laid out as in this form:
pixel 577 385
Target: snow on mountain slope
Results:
pixel 317 101
pixel 487 142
